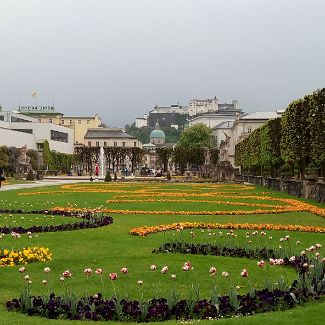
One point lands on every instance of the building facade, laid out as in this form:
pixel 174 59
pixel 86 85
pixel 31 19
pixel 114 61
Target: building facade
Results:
pixel 110 138
pixel 228 134
pixel 47 114
pixel 18 130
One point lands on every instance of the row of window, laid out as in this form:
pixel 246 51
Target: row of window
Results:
pixel 123 144
pixel 30 131
pixel 17 119
pixel 59 136
pixel 70 121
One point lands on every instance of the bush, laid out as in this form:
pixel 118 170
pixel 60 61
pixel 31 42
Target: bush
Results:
pixel 108 177
pixel 30 175
pixel 286 169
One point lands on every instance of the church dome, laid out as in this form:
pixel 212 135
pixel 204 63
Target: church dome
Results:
pixel 157 134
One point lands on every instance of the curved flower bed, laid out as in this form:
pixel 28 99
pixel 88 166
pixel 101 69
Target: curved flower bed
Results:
pixel 197 201
pixel 184 213
pixel 24 256
pixel 146 230
pixel 89 220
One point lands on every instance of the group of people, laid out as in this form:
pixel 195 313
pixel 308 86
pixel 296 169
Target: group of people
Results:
pixel 2 176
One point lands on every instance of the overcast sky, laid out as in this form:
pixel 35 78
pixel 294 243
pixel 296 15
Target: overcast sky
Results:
pixel 119 58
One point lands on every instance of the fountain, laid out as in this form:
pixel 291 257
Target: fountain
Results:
pixel 101 161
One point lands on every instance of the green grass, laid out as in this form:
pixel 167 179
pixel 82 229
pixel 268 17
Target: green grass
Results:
pixel 112 248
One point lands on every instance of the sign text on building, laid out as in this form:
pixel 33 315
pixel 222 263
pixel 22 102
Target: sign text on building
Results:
pixel 36 108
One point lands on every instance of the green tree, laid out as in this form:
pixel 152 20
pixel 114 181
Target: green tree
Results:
pixel 4 157
pixel 163 156
pixel 47 156
pixel 317 129
pixel 196 136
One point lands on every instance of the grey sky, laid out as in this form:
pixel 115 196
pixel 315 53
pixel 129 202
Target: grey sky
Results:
pixel 120 58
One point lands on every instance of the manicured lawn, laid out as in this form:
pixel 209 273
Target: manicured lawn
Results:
pixel 112 247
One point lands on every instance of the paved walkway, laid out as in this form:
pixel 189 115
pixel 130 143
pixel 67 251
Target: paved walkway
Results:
pixel 48 182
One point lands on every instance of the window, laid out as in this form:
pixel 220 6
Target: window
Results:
pixel 115 144
pixel 89 143
pixel 17 119
pixel 50 120
pixel 59 136
pixel 105 144
pixel 135 144
pixel 30 131
pixel 123 144
pixel 62 121
pixel 88 121
pixel 79 121
pixel 249 130
pixel 97 143
pixel 70 122
pixel 2 118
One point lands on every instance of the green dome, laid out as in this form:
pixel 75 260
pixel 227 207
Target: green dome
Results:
pixel 157 134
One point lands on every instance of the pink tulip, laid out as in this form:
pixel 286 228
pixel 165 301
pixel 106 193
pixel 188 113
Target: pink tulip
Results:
pixel 124 270
pixel 67 274
pixel 47 270
pixel 225 274
pixel 212 271
pixel 189 265
pixel 261 263
pixel 153 267
pixel 164 269
pixel 88 271
pixel 244 273
pixel 99 271
pixel 113 276
pixel 22 270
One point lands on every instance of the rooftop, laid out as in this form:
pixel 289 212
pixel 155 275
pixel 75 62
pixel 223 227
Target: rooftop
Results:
pixel 261 116
pixel 102 133
pixel 224 125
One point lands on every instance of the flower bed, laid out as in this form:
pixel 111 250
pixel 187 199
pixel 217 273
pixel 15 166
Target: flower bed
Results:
pixel 24 256
pixel 146 230
pixel 89 220
pixel 309 285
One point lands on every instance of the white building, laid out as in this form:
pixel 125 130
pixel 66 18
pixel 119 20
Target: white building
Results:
pixel 141 122
pixel 236 131
pixel 18 130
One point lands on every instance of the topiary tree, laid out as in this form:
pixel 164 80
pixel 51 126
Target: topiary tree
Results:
pixel 30 175
pixel 108 177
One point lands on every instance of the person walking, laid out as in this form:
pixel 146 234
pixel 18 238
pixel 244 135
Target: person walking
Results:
pixel 2 176
pixel 97 170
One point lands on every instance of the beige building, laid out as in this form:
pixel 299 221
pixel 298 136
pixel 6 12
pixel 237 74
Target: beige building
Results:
pixel 47 114
pixel 100 137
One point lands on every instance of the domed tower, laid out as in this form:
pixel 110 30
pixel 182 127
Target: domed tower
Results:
pixel 157 136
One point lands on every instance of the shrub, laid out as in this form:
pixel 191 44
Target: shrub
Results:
pixel 30 175
pixel 108 177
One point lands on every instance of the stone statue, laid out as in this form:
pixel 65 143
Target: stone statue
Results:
pixel 224 148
